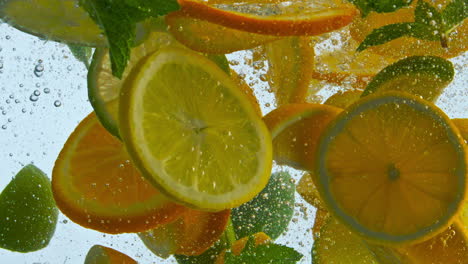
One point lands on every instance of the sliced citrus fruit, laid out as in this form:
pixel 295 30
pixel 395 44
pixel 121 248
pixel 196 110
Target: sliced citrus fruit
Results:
pixel 290 62
pixel 424 76
pixel 336 244
pixel 321 218
pixel 238 246
pixel 245 88
pixel 208 37
pixel 28 215
pixel 340 64
pixel 60 20
pixel 392 167
pixel 193 133
pixel 343 99
pixel 98 254
pixel 462 125
pixel 297 19
pixel 96 186
pixel 192 234
pixel 296 129
pixel 408 46
pixel 308 191
pixel 450 246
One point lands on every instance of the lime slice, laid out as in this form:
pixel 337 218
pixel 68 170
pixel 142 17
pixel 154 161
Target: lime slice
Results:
pixel 98 254
pixel 193 132
pixel 28 215
pixel 104 88
pixel 59 20
pixel 424 76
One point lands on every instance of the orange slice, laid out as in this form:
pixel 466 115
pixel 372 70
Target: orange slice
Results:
pixel 204 36
pixel 462 125
pixel 192 234
pixel 96 186
pixel 290 62
pixel 344 99
pixel 295 129
pixel 103 255
pixel 296 20
pixel 408 46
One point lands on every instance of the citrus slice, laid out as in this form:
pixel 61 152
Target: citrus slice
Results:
pixel 96 186
pixel 28 215
pixel 104 88
pixel 408 46
pixel 98 254
pixel 344 99
pixel 238 246
pixel 60 20
pixel 290 62
pixel 193 133
pixel 462 125
pixel 247 90
pixel 204 36
pixel 340 64
pixel 424 76
pixel 296 20
pixel 296 129
pixel 392 167
pixel 336 244
pixel 192 234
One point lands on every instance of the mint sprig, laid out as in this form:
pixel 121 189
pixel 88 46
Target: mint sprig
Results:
pixel 118 18
pixel 81 53
pixel 379 6
pixel 429 24
pixel 266 253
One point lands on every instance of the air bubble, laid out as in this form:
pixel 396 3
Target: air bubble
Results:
pixel 33 98
pixel 46 90
pixel 39 70
pixel 57 103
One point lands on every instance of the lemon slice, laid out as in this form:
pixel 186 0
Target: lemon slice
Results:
pixel 60 20
pixel 392 167
pixel 193 133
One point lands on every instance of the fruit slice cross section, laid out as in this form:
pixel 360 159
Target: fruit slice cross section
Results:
pixel 392 168
pixel 193 132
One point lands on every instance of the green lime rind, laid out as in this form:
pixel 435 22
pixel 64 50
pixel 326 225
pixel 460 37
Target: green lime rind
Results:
pixel 336 244
pixel 106 109
pixel 424 76
pixel 269 212
pixel 28 215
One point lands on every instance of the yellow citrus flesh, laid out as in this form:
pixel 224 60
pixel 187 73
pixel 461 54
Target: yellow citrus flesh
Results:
pixel 344 99
pixel 247 90
pixel 290 62
pixel 103 255
pixel 296 129
pixel 96 186
pixel 408 46
pixel 296 19
pixel 308 191
pixel 462 125
pixel 193 132
pixel 392 168
pixel 61 20
pixel 192 234
pixel 204 36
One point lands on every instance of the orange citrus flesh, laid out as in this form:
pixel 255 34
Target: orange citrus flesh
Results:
pixel 450 246
pixel 392 168
pixel 344 99
pixel 103 255
pixel 96 186
pixel 321 218
pixel 408 46
pixel 308 191
pixel 246 89
pixel 342 65
pixel 238 246
pixel 192 234
pixel 462 125
pixel 297 20
pixel 204 36
pixel 296 129
pixel 290 62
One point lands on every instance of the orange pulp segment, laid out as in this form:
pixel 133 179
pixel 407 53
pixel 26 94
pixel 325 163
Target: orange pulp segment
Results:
pixel 96 186
pixel 98 254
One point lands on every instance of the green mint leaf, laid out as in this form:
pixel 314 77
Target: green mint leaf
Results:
pixel 454 13
pixel 81 53
pixel 154 7
pixel 427 15
pixel 269 212
pixel 266 253
pixel 380 6
pixel 208 257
